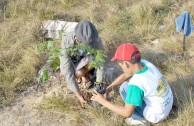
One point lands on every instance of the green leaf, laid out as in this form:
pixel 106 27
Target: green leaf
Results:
pixel 50 45
pixel 43 79
pixel 73 53
pixel 51 57
pixel 39 48
pixel 49 61
pixel 102 60
pixel 39 79
pixel 104 55
pixel 96 83
pixel 56 51
pixel 57 60
pixel 75 49
pixel 60 54
pixel 46 74
pixel 54 65
pixel 45 44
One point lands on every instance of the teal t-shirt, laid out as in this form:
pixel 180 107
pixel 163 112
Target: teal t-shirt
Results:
pixel 134 95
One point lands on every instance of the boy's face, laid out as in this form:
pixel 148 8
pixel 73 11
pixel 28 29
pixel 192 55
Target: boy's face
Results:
pixel 125 66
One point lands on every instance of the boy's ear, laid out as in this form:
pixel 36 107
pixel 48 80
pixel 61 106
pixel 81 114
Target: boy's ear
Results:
pixel 126 63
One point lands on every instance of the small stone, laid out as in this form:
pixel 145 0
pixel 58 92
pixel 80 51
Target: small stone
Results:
pixel 26 93
pixel 160 28
pixel 156 41
pixel 95 104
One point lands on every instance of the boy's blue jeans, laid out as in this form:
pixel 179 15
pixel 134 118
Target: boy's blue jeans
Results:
pixel 123 91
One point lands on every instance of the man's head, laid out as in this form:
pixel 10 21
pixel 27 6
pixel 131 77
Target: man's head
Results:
pixel 127 56
pixel 86 32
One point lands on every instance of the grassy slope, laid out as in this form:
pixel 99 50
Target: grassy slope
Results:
pixel 117 21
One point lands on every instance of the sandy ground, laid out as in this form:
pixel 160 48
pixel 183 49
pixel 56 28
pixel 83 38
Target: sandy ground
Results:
pixel 25 110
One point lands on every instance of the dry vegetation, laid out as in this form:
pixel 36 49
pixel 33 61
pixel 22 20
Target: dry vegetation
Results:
pixel 118 21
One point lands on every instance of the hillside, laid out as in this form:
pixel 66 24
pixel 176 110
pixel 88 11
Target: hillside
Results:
pixel 148 24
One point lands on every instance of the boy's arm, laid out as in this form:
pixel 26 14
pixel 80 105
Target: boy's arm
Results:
pixel 125 111
pixel 123 77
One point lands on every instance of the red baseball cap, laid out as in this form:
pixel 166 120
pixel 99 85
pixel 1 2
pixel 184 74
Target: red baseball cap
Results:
pixel 125 52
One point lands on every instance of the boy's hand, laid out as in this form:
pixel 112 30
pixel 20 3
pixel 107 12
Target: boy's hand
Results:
pixel 98 97
pixel 106 95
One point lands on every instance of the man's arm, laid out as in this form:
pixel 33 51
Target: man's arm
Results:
pixel 67 69
pixel 66 66
pixel 125 111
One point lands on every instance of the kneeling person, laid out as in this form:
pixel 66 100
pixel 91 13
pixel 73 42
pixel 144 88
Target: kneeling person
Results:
pixel 146 93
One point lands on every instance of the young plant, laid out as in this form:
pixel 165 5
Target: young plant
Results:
pixel 53 59
pixel 100 87
pixel 99 55
pixel 99 60
pixel 43 76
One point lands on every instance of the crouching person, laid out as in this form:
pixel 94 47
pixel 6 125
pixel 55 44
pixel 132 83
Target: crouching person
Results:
pixel 75 69
pixel 146 93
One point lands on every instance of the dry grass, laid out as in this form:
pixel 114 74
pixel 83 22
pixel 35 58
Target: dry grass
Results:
pixel 117 21
pixel 75 115
pixel 19 61
pixel 183 93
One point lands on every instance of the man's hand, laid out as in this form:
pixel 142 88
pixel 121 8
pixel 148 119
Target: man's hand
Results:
pixel 81 99
pixel 98 97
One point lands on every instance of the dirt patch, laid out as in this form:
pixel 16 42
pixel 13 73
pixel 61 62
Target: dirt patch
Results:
pixel 27 110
